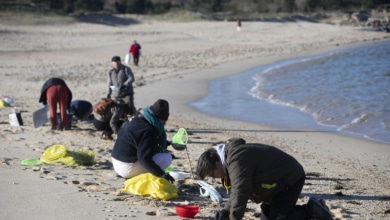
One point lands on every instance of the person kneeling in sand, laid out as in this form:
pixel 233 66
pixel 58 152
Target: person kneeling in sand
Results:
pixel 141 146
pixel 81 110
pixel 108 116
pixel 261 173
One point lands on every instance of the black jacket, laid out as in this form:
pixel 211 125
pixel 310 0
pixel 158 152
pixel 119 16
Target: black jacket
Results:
pixel 257 172
pixel 53 82
pixel 137 141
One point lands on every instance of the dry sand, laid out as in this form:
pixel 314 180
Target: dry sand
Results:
pixel 178 60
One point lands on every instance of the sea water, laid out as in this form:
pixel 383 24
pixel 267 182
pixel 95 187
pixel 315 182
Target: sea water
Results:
pixel 345 91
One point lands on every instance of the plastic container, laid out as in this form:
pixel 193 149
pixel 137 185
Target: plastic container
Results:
pixel 15 118
pixel 187 211
pixel 178 175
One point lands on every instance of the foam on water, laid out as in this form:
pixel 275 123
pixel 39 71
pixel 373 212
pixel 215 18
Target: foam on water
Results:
pixel 347 90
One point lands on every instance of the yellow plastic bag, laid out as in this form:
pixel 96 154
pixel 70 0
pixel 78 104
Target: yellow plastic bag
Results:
pixel 149 185
pixel 60 153
pixel 3 103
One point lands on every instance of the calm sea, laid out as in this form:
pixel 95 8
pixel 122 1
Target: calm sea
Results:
pixel 345 90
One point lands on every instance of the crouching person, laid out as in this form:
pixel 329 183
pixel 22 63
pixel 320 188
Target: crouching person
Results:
pixel 141 146
pixel 109 115
pixel 262 173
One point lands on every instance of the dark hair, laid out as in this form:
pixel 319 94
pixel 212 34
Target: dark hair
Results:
pixel 116 59
pixel 207 163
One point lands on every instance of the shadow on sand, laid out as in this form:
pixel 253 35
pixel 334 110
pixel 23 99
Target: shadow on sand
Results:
pixel 105 19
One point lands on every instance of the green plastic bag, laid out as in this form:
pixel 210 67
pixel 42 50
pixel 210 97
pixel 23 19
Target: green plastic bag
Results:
pixel 149 185
pixel 181 137
pixel 60 153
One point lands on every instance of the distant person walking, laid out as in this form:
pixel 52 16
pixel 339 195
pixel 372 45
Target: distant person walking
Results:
pixel 120 83
pixel 135 50
pixel 55 91
pixel 238 24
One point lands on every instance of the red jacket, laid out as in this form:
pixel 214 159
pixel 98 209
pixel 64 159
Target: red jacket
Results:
pixel 134 49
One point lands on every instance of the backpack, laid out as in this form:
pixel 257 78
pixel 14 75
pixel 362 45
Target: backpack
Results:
pixel 101 107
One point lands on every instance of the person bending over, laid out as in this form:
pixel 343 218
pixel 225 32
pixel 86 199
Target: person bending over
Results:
pixel 263 174
pixel 81 110
pixel 109 115
pixel 55 92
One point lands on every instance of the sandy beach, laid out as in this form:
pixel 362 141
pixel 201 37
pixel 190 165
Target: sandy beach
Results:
pixel 178 60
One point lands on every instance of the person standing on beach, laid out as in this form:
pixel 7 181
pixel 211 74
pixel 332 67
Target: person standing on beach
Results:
pixel 55 92
pixel 120 83
pixel 263 174
pixel 135 50
pixel 141 146
pixel 238 24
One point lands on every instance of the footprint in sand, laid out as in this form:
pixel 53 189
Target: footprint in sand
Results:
pixel 6 161
pixel 153 213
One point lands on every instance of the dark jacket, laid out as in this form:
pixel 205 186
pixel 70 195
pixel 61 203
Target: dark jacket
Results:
pixel 53 82
pixel 113 114
pixel 137 141
pixel 81 109
pixel 257 172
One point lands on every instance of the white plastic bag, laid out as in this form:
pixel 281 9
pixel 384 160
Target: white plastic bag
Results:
pixel 207 190
pixel 127 59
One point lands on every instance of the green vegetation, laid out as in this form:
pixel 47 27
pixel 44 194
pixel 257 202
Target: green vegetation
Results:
pixel 203 6
pixel 34 18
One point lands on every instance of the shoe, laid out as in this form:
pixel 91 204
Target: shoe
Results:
pixel 56 128
pixel 319 210
pixel 324 204
pixel 107 137
pixel 67 128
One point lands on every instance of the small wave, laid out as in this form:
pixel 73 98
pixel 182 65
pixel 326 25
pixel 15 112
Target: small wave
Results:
pixel 362 119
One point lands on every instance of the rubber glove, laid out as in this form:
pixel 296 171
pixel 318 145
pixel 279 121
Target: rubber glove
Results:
pixel 168 177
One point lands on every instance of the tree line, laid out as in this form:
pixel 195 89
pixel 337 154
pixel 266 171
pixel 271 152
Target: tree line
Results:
pixel 162 6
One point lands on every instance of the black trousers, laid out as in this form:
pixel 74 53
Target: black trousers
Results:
pixel 136 59
pixel 103 126
pixel 283 205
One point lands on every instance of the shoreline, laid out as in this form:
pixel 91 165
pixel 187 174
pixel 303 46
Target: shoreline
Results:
pixel 178 62
pixel 203 77
pixel 280 116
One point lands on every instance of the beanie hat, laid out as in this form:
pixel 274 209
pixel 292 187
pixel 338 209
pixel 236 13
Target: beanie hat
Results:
pixel 161 109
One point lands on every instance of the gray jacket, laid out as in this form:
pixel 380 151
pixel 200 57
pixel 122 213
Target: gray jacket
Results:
pixel 122 81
